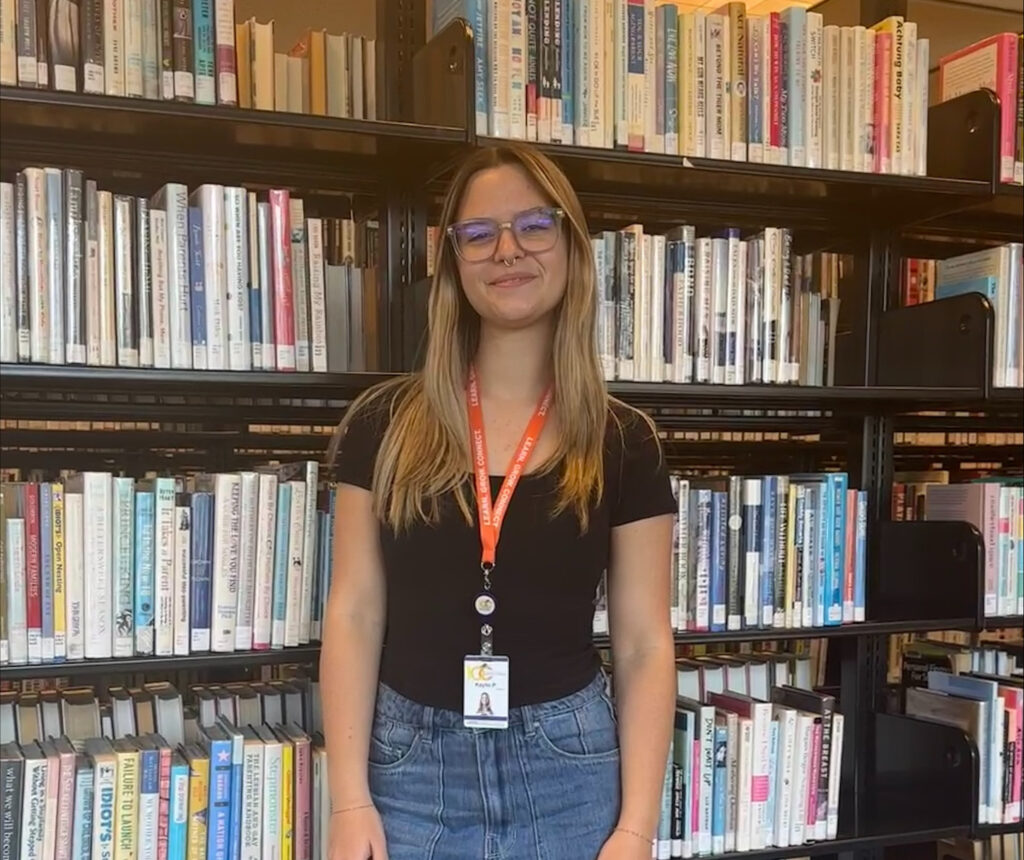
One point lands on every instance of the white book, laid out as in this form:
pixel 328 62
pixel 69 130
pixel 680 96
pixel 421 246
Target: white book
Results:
pixel 847 98
pixel 317 299
pixel 906 164
pixel 151 49
pixel 745 825
pixel 123 565
pixel 126 290
pixel 182 578
pixel 266 270
pixel 620 72
pixel 133 48
pixel 172 200
pixel 656 278
pixel 236 271
pixel 74 275
pixel 164 562
pixel 800 774
pixel 36 775
pixel 74 573
pixel 770 340
pixel 715 98
pixel 814 113
pixel 703 310
pixel 784 799
pixel 733 297
pixel 272 798
pixel 608 75
pixel 38 272
pixel 866 101
pixel 96 489
pixel 300 284
pixel 210 200
pixel 652 141
pixel 919 121
pixel 224 43
pixel 158 274
pixel 308 551
pixel 830 97
pixel 296 556
pixel 114 47
pixel 227 523
pixel 596 72
pixel 107 281
pixel 266 531
pixel 17 591
pixel 54 244
pixel 517 70
pixel 246 549
pixel 8 43
pixel 8 275
pixel 499 51
pixel 720 309
pixel 835 775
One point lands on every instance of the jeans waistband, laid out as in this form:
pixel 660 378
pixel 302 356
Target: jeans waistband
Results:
pixel 394 706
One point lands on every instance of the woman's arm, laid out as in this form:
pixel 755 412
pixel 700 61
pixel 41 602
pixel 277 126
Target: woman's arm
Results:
pixel 350 653
pixel 643 663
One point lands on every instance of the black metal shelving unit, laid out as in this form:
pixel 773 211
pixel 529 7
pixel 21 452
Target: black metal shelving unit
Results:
pixel 904 781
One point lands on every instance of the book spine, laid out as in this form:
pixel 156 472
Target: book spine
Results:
pixel 224 51
pixel 8 276
pixel 28 68
pixel 151 71
pixel 203 46
pixel 183 52
pixel 133 48
pixel 8 43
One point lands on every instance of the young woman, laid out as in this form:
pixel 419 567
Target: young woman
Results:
pixel 480 502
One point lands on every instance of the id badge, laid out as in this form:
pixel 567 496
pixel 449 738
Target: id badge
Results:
pixel 485 692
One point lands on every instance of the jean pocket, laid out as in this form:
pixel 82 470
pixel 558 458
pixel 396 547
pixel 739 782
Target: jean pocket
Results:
pixel 392 744
pixel 587 734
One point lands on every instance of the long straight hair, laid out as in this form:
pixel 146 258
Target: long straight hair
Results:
pixel 425 449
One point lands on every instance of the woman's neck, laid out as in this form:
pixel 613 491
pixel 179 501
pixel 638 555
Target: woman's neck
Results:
pixel 514 364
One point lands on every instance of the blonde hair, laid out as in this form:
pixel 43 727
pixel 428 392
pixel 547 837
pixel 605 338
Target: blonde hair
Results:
pixel 424 451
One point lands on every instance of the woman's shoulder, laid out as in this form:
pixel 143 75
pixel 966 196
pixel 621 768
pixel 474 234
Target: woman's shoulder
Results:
pixel 358 436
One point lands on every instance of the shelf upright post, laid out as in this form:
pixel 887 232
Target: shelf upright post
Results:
pixel 401 32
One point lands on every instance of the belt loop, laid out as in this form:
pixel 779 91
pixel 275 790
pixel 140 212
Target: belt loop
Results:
pixel 529 726
pixel 428 723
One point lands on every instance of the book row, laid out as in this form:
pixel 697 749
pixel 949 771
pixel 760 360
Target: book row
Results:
pixel 746 773
pixel 996 273
pixel 724 308
pixel 98 565
pixel 186 51
pixel 212 278
pixel 995 506
pixel 990 709
pixel 250 791
pixel 777 88
pixel 767 552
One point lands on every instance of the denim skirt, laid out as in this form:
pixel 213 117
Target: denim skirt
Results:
pixel 546 788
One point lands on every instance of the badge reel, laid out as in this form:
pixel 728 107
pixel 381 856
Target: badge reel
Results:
pixel 485 676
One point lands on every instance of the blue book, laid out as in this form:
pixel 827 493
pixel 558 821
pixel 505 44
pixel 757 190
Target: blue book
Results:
pixel 149 798
pixel 719 537
pixel 671 17
pixel 197 291
pixel 203 46
pixel 237 755
pixel 752 567
pixel 769 537
pixel 81 836
pixel 177 812
pixel 569 17
pixel 794 26
pixel 280 591
pixel 218 813
pixel 860 564
pixel 773 777
pixel 200 582
pixel 837 484
pixel 720 788
pixel 46 567
pixel 145 574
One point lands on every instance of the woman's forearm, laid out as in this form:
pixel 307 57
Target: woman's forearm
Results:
pixel 349 665
pixel 645 688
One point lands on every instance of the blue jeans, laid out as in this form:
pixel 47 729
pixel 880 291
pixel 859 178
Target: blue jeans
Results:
pixel 546 788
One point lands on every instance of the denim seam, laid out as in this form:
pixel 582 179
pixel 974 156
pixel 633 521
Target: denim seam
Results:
pixel 520 751
pixel 439 832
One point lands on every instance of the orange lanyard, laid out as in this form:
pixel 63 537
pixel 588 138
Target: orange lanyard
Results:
pixel 491 516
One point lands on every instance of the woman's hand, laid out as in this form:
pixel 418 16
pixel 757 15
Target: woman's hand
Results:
pixel 625 845
pixel 357 834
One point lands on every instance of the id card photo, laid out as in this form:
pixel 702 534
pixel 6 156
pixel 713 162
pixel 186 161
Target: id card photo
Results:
pixel 485 693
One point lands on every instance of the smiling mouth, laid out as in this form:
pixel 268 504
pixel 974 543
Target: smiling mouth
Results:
pixel 512 280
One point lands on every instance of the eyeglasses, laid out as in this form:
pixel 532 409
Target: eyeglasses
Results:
pixel 536 230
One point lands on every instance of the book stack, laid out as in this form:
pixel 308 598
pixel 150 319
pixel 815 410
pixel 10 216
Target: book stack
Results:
pixel 748 773
pixel 184 51
pixel 100 566
pixel 215 277
pixel 778 88
pixel 766 552
pixel 726 308
pixel 247 778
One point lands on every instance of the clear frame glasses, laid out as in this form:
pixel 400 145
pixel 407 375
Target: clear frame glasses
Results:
pixel 536 230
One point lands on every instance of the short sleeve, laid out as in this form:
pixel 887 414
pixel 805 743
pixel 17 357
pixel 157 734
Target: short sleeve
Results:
pixel 357 448
pixel 644 486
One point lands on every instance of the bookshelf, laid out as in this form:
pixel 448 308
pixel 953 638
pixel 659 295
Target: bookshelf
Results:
pixel 904 781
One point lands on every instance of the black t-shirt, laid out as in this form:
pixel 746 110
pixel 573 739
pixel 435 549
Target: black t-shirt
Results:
pixel 544 582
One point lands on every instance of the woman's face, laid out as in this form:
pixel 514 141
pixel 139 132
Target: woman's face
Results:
pixel 513 277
